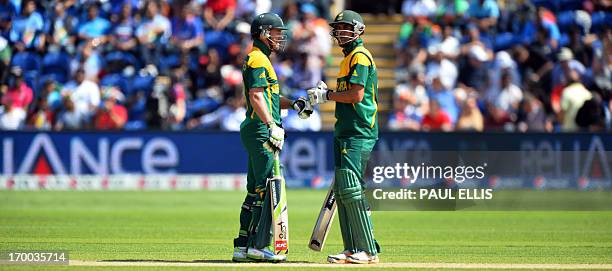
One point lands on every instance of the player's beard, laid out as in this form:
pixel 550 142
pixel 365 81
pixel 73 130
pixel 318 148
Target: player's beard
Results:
pixel 342 37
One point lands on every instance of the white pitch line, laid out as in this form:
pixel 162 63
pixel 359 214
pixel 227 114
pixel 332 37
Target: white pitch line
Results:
pixel 322 265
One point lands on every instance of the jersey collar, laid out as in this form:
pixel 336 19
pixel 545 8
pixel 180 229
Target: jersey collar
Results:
pixel 257 44
pixel 347 49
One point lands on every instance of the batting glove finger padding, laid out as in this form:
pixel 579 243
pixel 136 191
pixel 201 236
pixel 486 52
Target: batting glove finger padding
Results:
pixel 277 138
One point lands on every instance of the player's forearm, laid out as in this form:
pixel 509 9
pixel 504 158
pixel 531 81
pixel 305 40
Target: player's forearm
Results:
pixel 285 103
pixel 259 106
pixel 354 95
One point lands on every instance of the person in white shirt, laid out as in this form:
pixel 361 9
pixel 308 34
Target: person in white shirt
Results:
pixel 507 96
pixel 85 95
pixel 419 8
pixel 11 118
pixel 438 65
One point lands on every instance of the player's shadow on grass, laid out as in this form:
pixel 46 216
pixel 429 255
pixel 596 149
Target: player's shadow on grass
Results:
pixel 180 261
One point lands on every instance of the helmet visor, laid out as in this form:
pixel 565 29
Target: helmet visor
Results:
pixel 277 37
pixel 343 36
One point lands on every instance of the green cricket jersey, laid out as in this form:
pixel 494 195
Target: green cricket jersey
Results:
pixel 257 72
pixel 358 119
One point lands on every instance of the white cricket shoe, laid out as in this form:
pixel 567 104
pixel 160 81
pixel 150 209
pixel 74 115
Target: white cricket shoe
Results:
pixel 265 255
pixel 362 257
pixel 240 255
pixel 339 258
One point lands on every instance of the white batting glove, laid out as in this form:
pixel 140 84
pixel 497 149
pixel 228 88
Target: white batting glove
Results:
pixel 318 95
pixel 277 137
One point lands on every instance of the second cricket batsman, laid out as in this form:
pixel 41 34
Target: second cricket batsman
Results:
pixel 355 134
pixel 262 135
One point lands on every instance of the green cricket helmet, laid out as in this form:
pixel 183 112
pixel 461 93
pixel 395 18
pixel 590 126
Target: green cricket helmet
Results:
pixel 262 27
pixel 349 34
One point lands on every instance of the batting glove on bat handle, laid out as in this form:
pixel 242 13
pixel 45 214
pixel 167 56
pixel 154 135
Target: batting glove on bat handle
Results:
pixel 277 137
pixel 303 107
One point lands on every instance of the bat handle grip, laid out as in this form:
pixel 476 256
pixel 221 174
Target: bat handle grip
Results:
pixel 277 171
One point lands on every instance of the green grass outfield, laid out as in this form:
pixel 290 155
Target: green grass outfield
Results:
pixel 188 226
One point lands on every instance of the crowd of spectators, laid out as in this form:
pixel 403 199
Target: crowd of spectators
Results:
pixel 146 64
pixel 474 65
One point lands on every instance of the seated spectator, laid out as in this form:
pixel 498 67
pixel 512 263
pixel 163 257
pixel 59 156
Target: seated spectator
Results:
pixel 452 10
pixel 547 23
pixel 411 49
pixel 311 35
pixel 419 8
pixel 62 28
pixel 475 37
pixel 26 31
pixel 88 58
pixel 53 94
pixel 11 117
pixel 508 96
pixel 566 64
pixel 8 11
pixel 532 117
pixel 445 98
pixel 416 87
pixel 407 114
pixel 522 28
pixel 123 31
pixel 153 32
pixel 581 47
pixel 96 28
pixel 484 13
pixel 436 119
pixel 18 94
pixel 498 120
pixel 187 31
pixel 450 46
pixel 573 97
pixel 470 118
pixel 474 69
pixel 504 63
pixel 110 115
pixel 599 76
pixel 84 93
pixel 535 69
pixel 227 118
pixel 41 116
pixel 69 118
pixel 438 65
pixel 219 14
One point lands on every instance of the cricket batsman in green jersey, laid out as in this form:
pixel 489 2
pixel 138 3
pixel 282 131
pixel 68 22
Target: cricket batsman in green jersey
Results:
pixel 356 132
pixel 262 134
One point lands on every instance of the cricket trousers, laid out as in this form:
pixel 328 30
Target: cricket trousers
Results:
pixel 255 214
pixel 351 155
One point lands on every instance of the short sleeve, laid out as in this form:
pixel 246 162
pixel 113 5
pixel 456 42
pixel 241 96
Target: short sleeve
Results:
pixel 360 67
pixel 256 78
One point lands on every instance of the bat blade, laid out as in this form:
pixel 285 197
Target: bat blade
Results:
pixel 324 221
pixel 280 217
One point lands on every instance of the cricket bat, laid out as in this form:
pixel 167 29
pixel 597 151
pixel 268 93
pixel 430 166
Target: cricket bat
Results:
pixel 280 218
pixel 324 221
